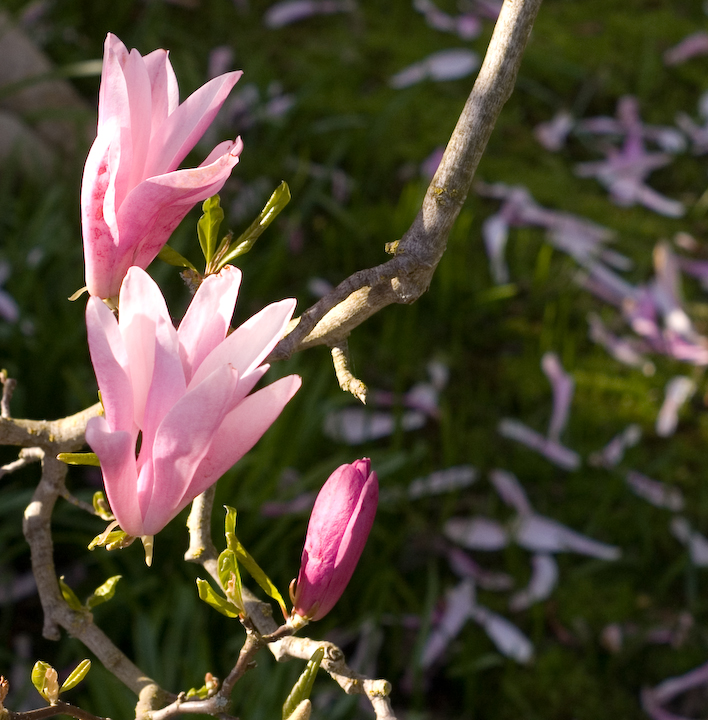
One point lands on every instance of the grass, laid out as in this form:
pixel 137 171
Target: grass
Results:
pixel 583 56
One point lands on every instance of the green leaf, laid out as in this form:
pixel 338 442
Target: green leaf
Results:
pixel 103 593
pixel 79 673
pixel 242 556
pixel 278 200
pixel 172 257
pixel 101 507
pixel 255 571
pixel 230 524
pixel 231 577
pixel 207 594
pixel 303 687
pixel 79 459
pixel 202 693
pixel 208 226
pixel 40 680
pixel 68 594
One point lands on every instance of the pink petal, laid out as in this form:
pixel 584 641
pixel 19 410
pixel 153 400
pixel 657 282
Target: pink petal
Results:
pixel 185 126
pixel 208 317
pixel 165 92
pixel 110 362
pixel 241 430
pixel 142 307
pixel 116 451
pixel 251 342
pixel 182 441
pixel 154 208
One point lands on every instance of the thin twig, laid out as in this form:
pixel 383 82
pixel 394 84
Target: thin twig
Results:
pixel 218 703
pixel 27 456
pixel 345 377
pixel 8 387
pixel 58 708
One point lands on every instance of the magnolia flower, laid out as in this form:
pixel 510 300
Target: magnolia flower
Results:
pixel 181 394
pixel 336 534
pixel 132 195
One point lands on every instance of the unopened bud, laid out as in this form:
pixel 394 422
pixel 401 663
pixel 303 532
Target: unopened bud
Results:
pixel 51 686
pixel 302 711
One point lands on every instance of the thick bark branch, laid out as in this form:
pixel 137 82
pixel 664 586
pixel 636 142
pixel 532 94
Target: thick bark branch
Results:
pixel 416 255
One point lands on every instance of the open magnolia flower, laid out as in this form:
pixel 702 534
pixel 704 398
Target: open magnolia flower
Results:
pixel 181 395
pixel 132 195
pixel 336 534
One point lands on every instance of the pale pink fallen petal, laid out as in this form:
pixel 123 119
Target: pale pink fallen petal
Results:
pixel 221 60
pixel 300 504
pixel 544 578
pixel 696 543
pixel 563 387
pixel 434 17
pixel 439 374
pixel 319 287
pixel 291 11
pixel 613 453
pixel 464 566
pixel 9 309
pixel 544 535
pixel 624 350
pixel 443 481
pixel 510 491
pixel 691 46
pixel 444 65
pixel 664 692
pixel 678 391
pixel 423 397
pixel 477 533
pixel 659 203
pixel 495 231
pixel 697 134
pixel 459 603
pixel 429 166
pixel 558 454
pixel 552 134
pixel 354 426
pixel 507 638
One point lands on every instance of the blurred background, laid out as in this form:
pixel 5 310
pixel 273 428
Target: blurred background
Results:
pixel 473 599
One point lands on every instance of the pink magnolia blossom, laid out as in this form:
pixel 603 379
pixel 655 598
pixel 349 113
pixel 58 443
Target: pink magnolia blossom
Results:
pixel 336 534
pixel 184 392
pixel 132 195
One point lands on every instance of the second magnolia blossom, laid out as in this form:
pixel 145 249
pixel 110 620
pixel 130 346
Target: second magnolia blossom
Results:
pixel 132 194
pixel 336 534
pixel 181 394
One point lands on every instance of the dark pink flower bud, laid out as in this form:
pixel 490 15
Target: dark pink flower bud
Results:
pixel 339 526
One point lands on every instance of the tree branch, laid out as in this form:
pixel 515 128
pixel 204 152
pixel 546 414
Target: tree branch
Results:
pixel 416 255
pixel 58 708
